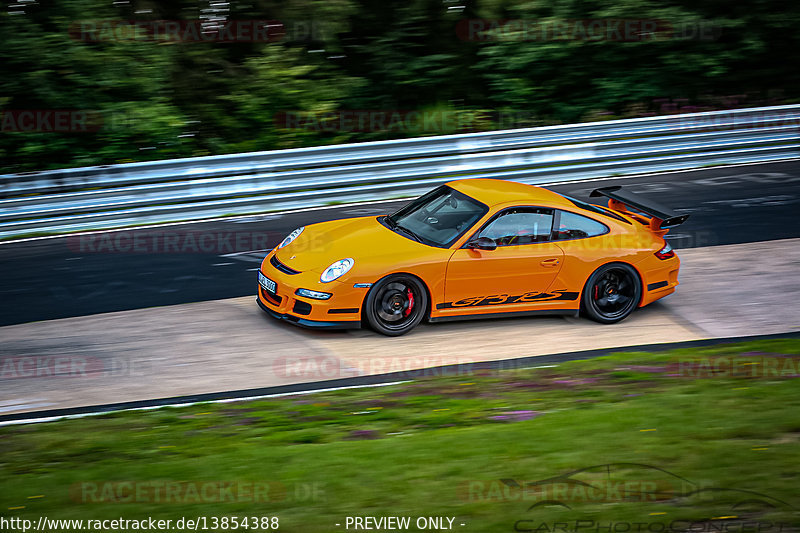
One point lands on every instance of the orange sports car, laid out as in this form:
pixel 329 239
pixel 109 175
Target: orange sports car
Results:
pixel 472 249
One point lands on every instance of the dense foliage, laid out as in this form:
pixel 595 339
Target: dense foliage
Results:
pixel 333 71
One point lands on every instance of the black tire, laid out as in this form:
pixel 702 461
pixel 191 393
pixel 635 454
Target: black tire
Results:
pixel 612 292
pixel 396 304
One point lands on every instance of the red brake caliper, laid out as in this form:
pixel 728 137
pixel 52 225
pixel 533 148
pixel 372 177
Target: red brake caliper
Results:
pixel 410 303
pixel 595 292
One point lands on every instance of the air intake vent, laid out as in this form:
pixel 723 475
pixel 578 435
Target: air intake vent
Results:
pixel 283 268
pixel 302 308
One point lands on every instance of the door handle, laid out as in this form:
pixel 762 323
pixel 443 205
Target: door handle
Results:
pixel 550 263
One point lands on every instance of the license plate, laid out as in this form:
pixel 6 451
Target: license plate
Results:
pixel 266 283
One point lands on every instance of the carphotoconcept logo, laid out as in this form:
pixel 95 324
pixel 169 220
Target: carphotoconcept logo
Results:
pixel 629 483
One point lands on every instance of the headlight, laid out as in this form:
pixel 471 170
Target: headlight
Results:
pixel 292 236
pixel 337 270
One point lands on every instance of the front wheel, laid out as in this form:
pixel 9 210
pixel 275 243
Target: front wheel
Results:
pixel 612 292
pixel 396 304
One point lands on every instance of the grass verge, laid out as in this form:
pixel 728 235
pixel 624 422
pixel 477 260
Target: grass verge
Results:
pixel 699 439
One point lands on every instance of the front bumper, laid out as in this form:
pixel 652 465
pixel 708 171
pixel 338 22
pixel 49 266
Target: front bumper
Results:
pixel 302 322
pixel 340 311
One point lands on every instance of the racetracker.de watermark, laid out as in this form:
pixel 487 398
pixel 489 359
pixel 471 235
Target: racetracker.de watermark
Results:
pixel 199 31
pixel 193 492
pixel 598 491
pixel 324 367
pixel 50 121
pixel 741 366
pixel 401 120
pixel 171 242
pixel 592 30
pixel 72 366
pixel 733 120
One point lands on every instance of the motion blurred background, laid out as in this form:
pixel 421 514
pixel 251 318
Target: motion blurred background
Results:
pixel 143 80
pixel 104 82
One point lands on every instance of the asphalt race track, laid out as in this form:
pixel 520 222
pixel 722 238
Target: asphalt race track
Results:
pixel 169 311
pixel 215 348
pixel 72 276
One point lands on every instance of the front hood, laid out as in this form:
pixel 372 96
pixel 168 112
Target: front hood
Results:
pixel 364 239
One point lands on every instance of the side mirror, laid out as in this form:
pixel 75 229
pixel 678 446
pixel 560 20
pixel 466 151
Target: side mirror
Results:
pixel 482 243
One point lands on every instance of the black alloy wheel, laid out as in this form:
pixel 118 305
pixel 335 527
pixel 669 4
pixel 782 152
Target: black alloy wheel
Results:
pixel 396 304
pixel 612 292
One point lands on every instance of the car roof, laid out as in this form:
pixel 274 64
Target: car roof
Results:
pixel 495 191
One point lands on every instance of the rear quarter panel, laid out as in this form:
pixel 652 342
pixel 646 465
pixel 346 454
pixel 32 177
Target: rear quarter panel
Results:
pixel 624 243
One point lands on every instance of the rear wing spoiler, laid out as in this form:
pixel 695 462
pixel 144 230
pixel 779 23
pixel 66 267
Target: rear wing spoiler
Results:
pixel 664 218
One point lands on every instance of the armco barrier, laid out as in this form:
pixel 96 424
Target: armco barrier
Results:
pixel 188 189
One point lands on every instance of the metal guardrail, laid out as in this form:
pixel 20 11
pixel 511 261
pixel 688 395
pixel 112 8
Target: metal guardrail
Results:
pixel 193 188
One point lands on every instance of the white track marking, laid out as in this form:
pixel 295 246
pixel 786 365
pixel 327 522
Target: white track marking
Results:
pixel 249 256
pixel 4 403
pixel 226 400
pixel 25 406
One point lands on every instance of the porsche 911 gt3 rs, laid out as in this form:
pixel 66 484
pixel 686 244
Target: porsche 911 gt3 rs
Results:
pixel 472 249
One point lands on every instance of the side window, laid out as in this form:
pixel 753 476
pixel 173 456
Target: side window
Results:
pixel 520 226
pixel 573 226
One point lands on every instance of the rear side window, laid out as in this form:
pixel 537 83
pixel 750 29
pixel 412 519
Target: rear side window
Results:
pixel 574 226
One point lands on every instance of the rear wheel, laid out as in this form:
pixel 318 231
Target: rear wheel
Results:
pixel 396 304
pixel 612 292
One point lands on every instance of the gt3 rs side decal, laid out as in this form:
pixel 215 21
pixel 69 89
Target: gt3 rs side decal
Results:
pixel 500 299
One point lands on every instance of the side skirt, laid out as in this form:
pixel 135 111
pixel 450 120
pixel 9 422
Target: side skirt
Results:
pixel 549 312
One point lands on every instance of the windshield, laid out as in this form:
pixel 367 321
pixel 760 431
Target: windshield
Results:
pixel 437 218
